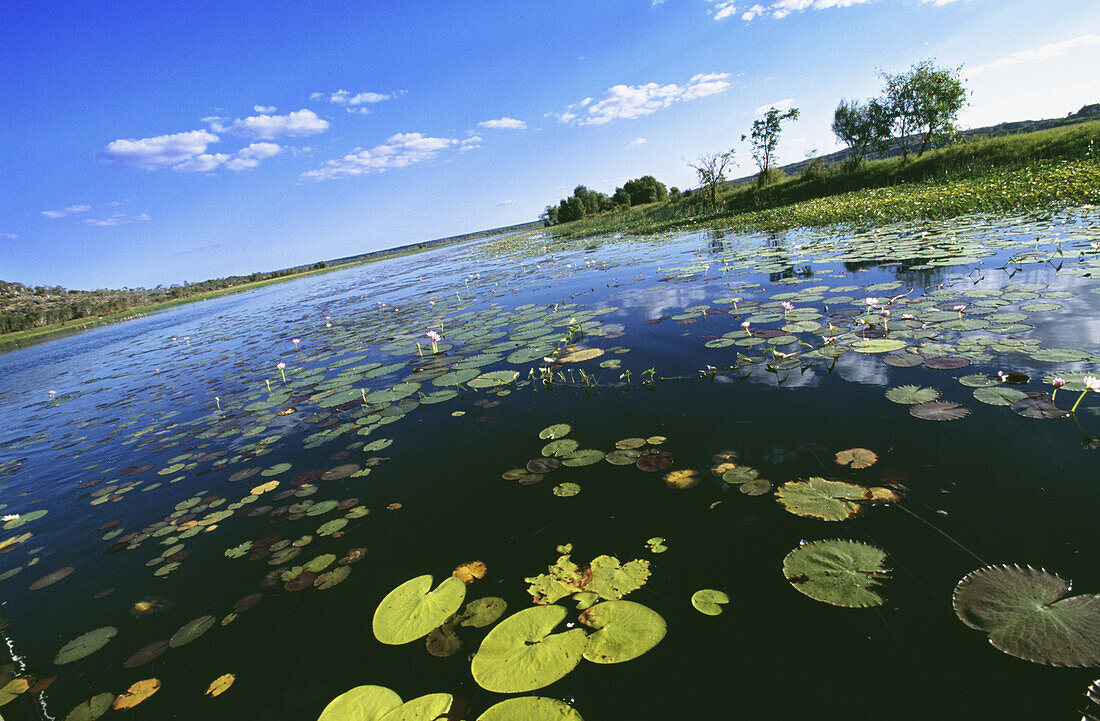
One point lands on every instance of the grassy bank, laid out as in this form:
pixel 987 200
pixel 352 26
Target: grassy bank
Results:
pixel 1028 171
pixel 10 341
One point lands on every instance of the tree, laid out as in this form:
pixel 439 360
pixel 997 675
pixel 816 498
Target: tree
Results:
pixel 549 215
pixel 645 189
pixel 765 136
pixel 711 169
pixel 864 127
pixel 926 99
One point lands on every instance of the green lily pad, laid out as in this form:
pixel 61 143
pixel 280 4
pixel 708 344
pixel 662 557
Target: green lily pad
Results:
pixel 522 654
pixel 191 630
pixel 740 474
pixel 558 430
pixel 623 457
pixel 362 703
pixel 583 457
pixel 878 345
pixel 412 609
pixel 425 708
pixel 624 631
pixel 656 544
pixel 85 645
pixel 482 612
pixel 1060 355
pixel 567 489
pixel 911 395
pixel 999 395
pixel 903 360
pixel 939 411
pixel 1024 612
pixel 822 498
pixel 841 573
pixel 493 379
pixel 530 708
pixel 91 709
pixel 612 581
pixel 979 380
pixel 561 447
pixel 709 601
pixel 456 377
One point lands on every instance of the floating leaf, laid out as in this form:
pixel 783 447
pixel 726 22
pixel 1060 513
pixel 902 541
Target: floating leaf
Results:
pixel 653 460
pixel 560 447
pixel 220 685
pixel 530 708
pixel 191 630
pixel 939 411
pixel 328 579
pixel 709 601
pixel 91 709
pixel 567 489
pixel 856 458
pixel 682 479
pixel 656 544
pixel 878 345
pixel 911 395
pixel 624 631
pixel 1040 406
pixel 755 487
pixel 740 474
pixel 51 578
pixel 579 355
pixel 978 380
pixel 612 581
pixel 146 654
pixel 841 573
pixel 85 645
pixel 362 703
pixel 443 641
pixel 998 396
pixel 470 571
pixel 821 498
pixel 493 379
pixel 11 689
pixel 1024 612
pixel 622 458
pixel 137 693
pixel 629 444
pixel 522 654
pixel 584 457
pixel 482 612
pixel 558 430
pixel 946 362
pixel 425 708
pixel 413 609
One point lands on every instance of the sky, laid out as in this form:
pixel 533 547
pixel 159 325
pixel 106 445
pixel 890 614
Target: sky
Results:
pixel 158 143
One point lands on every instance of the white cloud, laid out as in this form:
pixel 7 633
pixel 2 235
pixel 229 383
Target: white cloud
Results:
pixel 784 104
pixel 8 236
pixel 202 163
pixel 398 151
pixel 636 142
pixel 343 97
pixel 264 108
pixel 251 156
pixel 116 219
pixel 723 9
pixel 268 127
pixel 635 101
pixel 71 210
pixel 1034 55
pixel 504 123
pixel 162 151
pixel 474 141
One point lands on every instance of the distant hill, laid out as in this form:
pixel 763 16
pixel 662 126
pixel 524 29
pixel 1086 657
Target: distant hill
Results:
pixel 1085 114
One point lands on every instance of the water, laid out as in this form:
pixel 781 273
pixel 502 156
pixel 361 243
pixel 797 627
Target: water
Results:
pixel 133 450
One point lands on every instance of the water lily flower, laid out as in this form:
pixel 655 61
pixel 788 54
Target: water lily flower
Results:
pixel 295 341
pixel 960 308
pixel 281 366
pixel 870 301
pixel 10 517
pixel 51 394
pixel 434 338
pixel 907 316
pixel 218 400
pixel 1057 382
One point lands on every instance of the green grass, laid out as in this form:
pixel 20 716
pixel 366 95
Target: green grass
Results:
pixel 1027 171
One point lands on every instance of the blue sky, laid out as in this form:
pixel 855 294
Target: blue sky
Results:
pixel 155 143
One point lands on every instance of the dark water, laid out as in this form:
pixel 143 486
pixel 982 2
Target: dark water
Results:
pixel 991 488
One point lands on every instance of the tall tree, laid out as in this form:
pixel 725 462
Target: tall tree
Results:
pixel 925 100
pixel 711 170
pixel 864 127
pixel 765 136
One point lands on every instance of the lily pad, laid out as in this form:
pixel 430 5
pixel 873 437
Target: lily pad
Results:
pixel 85 645
pixel 482 612
pixel 682 479
pixel 567 489
pixel 857 458
pixel 946 362
pixel 558 430
pixel 137 693
pixel 709 601
pixel 222 683
pixel 624 631
pixel 939 411
pixel 560 447
pixel 522 653
pixel 413 609
pixel 583 457
pixel 530 708
pixel 425 708
pixel 362 703
pixel 998 395
pixel 878 345
pixel 91 709
pixel 822 498
pixel 841 573
pixel 191 630
pixel 1038 405
pixel 911 395
pixel 1024 612
pixel 493 379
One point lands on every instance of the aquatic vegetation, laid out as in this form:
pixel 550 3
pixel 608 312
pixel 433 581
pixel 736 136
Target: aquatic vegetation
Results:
pixel 837 572
pixel 413 609
pixel 709 601
pixel 522 653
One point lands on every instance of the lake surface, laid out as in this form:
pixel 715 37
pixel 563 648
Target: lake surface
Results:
pixel 161 472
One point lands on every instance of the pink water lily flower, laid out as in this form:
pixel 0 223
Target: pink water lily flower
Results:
pixel 433 336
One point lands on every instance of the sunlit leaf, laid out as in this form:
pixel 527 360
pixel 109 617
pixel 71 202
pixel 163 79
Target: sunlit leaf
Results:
pixel 841 573
pixel 624 630
pixel 413 609
pixel 522 653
